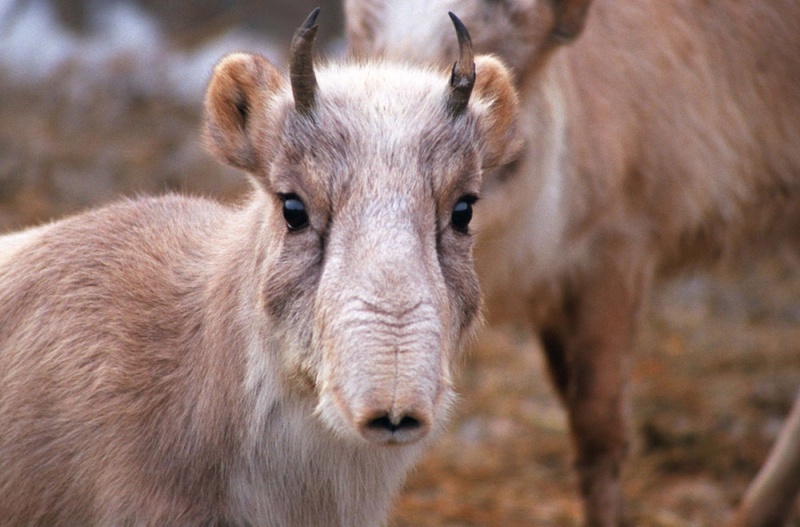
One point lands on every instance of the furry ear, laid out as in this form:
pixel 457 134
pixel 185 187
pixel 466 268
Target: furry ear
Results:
pixel 495 102
pixel 362 20
pixel 570 16
pixel 236 109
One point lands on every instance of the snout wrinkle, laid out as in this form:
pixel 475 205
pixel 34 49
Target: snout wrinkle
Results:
pixel 384 354
pixel 395 313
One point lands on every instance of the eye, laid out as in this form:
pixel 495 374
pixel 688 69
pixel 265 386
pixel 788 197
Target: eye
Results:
pixel 294 212
pixel 462 213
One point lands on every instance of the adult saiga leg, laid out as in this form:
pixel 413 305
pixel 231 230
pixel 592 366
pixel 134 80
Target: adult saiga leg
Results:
pixel 588 352
pixel 770 497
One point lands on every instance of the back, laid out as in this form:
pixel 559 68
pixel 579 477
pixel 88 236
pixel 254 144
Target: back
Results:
pixel 690 108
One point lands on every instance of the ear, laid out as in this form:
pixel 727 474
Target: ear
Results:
pixel 495 102
pixel 361 21
pixel 570 17
pixel 236 109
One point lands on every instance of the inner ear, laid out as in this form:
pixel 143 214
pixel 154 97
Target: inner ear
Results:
pixel 236 109
pixel 243 109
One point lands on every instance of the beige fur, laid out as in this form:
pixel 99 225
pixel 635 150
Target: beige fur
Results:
pixel 663 136
pixel 172 361
pixel 11 244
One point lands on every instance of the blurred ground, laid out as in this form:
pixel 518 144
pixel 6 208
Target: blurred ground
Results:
pixel 719 363
pixel 716 373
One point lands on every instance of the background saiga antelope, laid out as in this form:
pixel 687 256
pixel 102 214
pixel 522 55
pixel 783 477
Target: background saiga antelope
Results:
pixel 664 135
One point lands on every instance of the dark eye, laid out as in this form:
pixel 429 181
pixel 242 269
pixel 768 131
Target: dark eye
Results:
pixel 294 212
pixel 462 213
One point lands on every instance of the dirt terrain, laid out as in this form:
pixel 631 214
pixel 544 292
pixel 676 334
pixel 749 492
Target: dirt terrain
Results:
pixel 719 360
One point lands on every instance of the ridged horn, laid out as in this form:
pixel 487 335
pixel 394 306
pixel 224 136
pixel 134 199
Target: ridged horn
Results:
pixel 462 78
pixel 301 65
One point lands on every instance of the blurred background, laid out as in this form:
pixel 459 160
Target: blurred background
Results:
pixel 101 99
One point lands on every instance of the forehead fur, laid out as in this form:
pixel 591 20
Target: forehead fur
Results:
pixel 378 116
pixel 393 88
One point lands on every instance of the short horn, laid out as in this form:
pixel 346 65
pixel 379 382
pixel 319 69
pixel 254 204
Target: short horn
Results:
pixel 463 77
pixel 301 65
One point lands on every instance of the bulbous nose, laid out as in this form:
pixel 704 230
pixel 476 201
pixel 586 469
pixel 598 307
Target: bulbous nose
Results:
pixel 395 427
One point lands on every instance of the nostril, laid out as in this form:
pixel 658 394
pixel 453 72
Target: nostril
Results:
pixel 385 422
pixel 395 427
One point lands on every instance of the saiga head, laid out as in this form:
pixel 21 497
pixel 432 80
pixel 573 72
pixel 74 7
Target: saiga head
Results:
pixel 367 175
pixel 521 32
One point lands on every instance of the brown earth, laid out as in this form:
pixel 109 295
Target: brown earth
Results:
pixel 717 370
